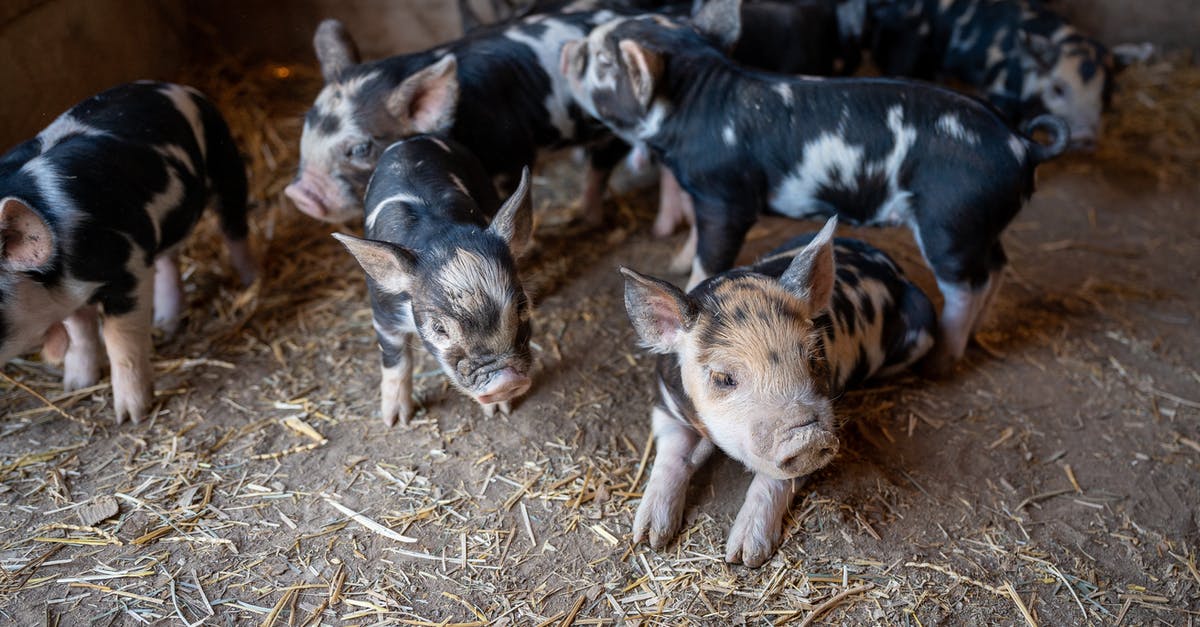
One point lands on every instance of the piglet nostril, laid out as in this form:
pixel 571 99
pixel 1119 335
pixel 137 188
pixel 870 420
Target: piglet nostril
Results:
pixel 826 452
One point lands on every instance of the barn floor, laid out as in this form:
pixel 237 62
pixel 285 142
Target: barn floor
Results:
pixel 1054 479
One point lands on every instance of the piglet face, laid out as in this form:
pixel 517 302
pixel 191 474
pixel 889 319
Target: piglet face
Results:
pixel 750 359
pixel 613 77
pixel 1073 81
pixel 356 115
pixel 27 307
pixel 473 316
pixel 466 298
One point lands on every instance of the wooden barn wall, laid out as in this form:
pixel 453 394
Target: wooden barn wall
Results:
pixel 55 52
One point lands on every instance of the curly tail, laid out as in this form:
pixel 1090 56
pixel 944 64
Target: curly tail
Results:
pixel 1060 135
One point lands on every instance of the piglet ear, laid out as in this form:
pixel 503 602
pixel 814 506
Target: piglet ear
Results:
pixel 335 49
pixel 1125 55
pixel 26 242
pixel 514 222
pixel 1039 47
pixel 660 312
pixel 392 267
pixel 425 102
pixel 720 21
pixel 811 274
pixel 644 68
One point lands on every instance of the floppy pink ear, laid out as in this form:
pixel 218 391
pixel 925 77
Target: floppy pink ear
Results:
pixel 644 68
pixel 26 242
pixel 426 101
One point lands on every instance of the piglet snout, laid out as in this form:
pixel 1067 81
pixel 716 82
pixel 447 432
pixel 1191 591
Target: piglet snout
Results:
pixel 805 449
pixel 306 198
pixel 506 384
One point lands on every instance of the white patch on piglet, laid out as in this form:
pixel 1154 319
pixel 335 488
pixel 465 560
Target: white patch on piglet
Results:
pixel 185 103
pixel 825 159
pixel 547 47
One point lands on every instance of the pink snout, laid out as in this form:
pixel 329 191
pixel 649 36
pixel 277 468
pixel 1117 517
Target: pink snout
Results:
pixel 306 198
pixel 805 449
pixel 503 386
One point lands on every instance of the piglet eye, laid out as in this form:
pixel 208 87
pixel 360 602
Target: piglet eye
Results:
pixel 723 381
pixel 1058 90
pixel 359 151
pixel 438 328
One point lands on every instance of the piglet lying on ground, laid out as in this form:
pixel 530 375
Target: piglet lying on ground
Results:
pixel 91 213
pixel 751 362
pixel 437 269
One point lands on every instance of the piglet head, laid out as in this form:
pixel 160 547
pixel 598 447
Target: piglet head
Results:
pixel 468 304
pixel 1072 78
pixel 27 308
pixel 356 116
pixel 750 357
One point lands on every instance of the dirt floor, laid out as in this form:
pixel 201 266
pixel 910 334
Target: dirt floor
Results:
pixel 1053 480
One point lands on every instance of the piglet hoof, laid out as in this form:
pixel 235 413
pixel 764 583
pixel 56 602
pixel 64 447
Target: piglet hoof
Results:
pixel 132 396
pixel 659 514
pixel 81 369
pixel 665 223
pixel 504 407
pixel 937 364
pixel 242 261
pixel 396 409
pixel 755 535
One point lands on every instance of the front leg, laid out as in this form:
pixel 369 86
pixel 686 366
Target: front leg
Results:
pixel 168 294
pixel 127 327
pixel 81 362
pixel 396 384
pixel 680 452
pixel 720 232
pixel 602 158
pixel 756 531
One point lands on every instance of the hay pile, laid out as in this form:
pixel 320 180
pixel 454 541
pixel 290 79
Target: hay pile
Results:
pixel 1153 128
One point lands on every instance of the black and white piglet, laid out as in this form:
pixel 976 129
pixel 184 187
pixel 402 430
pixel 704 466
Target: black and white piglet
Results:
pixel 497 91
pixel 871 151
pixel 92 211
pixel 436 268
pixel 1024 58
pixel 751 362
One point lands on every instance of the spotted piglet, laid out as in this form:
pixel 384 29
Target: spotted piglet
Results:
pixel 751 360
pixel 436 268
pixel 92 211
pixel 870 151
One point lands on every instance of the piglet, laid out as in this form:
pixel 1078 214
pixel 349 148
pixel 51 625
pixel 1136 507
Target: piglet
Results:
pixel 436 268
pixel 751 360
pixel 92 211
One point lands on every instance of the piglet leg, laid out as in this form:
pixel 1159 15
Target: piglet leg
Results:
pixel 396 384
pixel 127 338
pixel 680 452
pixel 759 525
pixel 671 205
pixel 592 202
pixel 242 259
pixel 168 294
pixel 81 362
pixel 961 310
